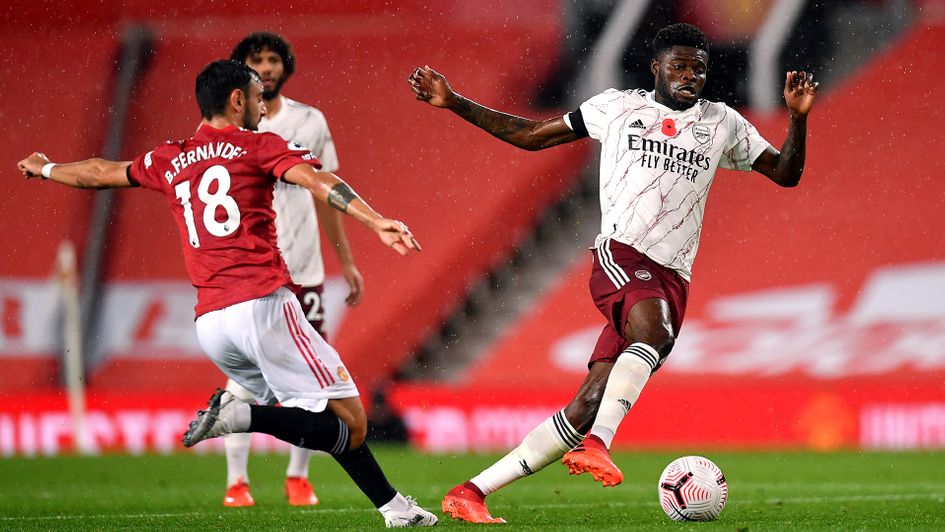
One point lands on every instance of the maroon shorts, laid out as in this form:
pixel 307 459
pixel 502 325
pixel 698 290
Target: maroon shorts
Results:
pixel 622 276
pixel 312 305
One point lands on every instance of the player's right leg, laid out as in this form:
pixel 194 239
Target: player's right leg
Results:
pixel 237 446
pixel 545 444
pixel 321 409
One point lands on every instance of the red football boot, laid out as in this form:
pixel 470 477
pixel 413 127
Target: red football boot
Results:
pixel 300 492
pixel 238 496
pixel 591 456
pixel 465 504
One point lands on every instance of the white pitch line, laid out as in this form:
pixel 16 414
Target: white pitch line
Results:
pixel 853 498
pixel 168 515
pixel 739 501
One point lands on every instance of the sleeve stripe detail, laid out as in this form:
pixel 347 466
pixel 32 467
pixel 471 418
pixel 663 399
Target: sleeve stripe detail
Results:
pixel 576 121
pixel 131 180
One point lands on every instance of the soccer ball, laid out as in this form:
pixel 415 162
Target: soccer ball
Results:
pixel 692 488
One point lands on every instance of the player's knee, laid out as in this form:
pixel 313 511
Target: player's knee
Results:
pixel 666 343
pixel 358 428
pixel 660 337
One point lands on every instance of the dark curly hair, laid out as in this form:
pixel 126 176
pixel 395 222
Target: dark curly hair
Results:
pixel 260 40
pixel 680 34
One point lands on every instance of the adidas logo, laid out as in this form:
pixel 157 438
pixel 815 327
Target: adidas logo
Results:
pixel 624 403
pixel 638 124
pixel 525 469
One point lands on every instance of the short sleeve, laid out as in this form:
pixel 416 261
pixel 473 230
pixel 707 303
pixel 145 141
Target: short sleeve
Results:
pixel 744 145
pixel 143 172
pixel 327 155
pixel 593 116
pixel 277 155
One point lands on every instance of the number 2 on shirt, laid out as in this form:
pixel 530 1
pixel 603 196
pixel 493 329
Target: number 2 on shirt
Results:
pixel 212 202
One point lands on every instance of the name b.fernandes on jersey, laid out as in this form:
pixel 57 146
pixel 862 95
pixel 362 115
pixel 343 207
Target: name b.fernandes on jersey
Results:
pixel 211 150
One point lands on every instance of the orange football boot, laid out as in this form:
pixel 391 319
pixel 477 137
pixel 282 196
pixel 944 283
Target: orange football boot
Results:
pixel 300 492
pixel 238 496
pixel 466 505
pixel 591 456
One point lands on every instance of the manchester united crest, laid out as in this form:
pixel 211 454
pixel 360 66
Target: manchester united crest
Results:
pixel 343 374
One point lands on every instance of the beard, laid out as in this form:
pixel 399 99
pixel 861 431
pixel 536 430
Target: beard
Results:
pixel 274 93
pixel 249 123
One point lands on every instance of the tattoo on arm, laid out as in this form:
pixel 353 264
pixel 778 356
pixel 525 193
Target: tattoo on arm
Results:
pixel 505 127
pixel 340 196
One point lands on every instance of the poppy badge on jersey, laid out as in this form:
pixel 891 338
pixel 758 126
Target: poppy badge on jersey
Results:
pixel 669 127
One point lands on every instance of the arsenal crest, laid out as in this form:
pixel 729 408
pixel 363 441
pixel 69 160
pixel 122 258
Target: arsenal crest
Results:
pixel 701 133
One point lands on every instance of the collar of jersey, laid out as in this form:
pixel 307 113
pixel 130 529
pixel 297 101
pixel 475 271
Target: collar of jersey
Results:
pixel 202 127
pixel 652 100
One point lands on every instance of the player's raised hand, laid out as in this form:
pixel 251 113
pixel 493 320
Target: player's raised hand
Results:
pixel 800 91
pixel 32 166
pixel 430 86
pixel 395 234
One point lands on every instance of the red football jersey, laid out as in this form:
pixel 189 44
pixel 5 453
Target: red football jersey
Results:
pixel 219 184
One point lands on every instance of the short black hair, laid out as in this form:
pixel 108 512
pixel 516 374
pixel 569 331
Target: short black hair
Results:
pixel 680 34
pixel 217 80
pixel 258 41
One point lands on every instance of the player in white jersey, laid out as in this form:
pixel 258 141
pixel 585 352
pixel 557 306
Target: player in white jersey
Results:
pixel 297 222
pixel 659 154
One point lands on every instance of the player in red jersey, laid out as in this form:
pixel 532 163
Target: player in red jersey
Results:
pixel 219 186
pixel 659 153
pixel 298 224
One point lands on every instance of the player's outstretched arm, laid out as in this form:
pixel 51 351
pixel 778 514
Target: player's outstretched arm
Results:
pixel 328 188
pixel 90 173
pixel 430 86
pixel 785 168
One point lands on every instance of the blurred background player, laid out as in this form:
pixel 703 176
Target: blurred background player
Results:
pixel 659 154
pixel 297 221
pixel 218 185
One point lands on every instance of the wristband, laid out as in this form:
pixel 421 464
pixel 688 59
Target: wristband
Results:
pixel 47 170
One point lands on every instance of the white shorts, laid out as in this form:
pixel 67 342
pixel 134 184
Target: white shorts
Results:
pixel 267 346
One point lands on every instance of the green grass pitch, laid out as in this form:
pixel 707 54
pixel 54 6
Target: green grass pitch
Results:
pixel 783 490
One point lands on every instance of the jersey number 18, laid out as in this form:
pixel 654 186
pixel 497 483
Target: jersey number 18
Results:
pixel 212 201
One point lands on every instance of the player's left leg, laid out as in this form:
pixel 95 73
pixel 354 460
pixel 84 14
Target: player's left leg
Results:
pixel 298 489
pixel 644 304
pixel 647 325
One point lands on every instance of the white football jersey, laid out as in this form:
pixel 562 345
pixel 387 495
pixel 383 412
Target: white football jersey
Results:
pixel 296 223
pixel 656 166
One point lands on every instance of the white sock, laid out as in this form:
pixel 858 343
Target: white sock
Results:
pixel 544 444
pixel 237 444
pixel 237 457
pixel 398 504
pixel 298 462
pixel 626 381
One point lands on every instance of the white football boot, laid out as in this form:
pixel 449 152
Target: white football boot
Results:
pixel 410 514
pixel 219 419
